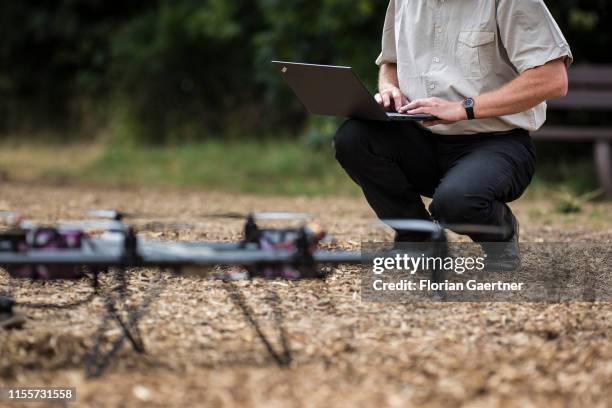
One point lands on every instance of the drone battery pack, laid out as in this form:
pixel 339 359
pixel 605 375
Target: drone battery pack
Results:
pixel 47 239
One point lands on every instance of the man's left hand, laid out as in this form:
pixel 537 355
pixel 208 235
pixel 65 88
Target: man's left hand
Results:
pixel 445 111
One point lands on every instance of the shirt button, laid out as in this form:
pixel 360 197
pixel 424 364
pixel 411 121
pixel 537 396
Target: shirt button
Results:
pixel 436 59
pixel 432 86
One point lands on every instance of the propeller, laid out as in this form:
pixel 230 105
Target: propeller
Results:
pixel 156 226
pixel 147 226
pixel 264 216
pixel 14 219
pixel 112 220
pixel 7 213
pixel 10 216
pixel 413 225
pixel 477 229
pixel 88 225
pixel 433 227
pixel 118 215
pixel 108 214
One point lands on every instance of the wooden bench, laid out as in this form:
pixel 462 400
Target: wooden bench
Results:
pixel 590 90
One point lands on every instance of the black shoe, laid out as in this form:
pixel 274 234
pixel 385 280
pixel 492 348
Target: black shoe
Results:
pixel 504 256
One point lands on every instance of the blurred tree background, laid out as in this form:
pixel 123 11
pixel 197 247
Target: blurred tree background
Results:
pixel 182 71
pixel 173 69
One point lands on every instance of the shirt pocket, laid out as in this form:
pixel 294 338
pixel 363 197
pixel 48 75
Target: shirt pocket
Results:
pixel 475 52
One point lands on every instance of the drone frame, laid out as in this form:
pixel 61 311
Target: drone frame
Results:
pixel 135 253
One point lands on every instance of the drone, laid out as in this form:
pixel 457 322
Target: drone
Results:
pixel 63 251
pixel 76 250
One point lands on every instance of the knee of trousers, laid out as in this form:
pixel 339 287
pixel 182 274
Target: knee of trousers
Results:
pixel 349 142
pixel 456 205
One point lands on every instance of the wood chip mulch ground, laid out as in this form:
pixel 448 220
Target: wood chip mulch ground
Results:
pixel 202 352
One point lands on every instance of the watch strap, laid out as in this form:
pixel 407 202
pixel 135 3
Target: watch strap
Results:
pixel 468 105
pixel 470 113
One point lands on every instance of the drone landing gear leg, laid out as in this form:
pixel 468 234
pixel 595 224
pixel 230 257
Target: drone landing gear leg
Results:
pixel 130 330
pixel 99 360
pixel 283 359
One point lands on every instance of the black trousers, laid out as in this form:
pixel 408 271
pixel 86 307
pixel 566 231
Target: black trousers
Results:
pixel 469 177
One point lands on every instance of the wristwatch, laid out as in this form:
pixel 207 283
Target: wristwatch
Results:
pixel 468 104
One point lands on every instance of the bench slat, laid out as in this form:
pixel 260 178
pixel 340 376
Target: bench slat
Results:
pixel 572 134
pixel 583 100
pixel 590 75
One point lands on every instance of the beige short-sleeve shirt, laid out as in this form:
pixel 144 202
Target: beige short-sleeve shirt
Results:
pixel 455 49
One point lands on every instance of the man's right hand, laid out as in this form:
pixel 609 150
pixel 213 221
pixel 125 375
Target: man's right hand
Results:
pixel 391 98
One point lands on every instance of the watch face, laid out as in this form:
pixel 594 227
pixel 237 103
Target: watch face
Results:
pixel 468 103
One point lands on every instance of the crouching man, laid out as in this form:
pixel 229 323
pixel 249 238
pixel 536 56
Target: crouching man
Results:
pixel 484 69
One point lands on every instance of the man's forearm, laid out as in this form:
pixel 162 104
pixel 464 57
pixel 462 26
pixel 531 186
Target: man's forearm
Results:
pixel 531 88
pixel 387 77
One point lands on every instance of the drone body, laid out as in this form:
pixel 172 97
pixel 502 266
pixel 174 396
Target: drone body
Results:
pixel 76 250
pixel 65 251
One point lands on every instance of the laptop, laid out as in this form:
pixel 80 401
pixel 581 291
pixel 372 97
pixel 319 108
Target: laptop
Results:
pixel 336 91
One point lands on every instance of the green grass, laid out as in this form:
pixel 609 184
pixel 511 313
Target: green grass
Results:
pixel 277 168
pixel 281 167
